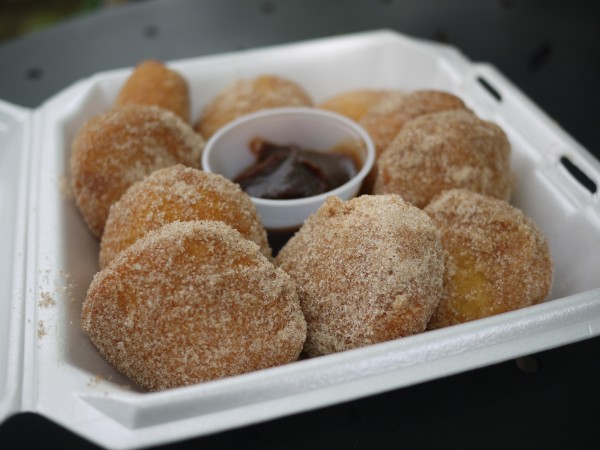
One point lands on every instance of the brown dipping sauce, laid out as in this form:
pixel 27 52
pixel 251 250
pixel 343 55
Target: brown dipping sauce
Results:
pixel 288 171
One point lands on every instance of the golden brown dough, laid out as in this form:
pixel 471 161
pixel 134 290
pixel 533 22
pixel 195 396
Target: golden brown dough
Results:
pixel 354 104
pixel 388 116
pixel 192 302
pixel 179 193
pixel 250 95
pixel 115 149
pixel 153 83
pixel 445 150
pixel 368 270
pixel 497 259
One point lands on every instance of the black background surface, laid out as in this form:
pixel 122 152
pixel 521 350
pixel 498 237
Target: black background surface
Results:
pixel 549 49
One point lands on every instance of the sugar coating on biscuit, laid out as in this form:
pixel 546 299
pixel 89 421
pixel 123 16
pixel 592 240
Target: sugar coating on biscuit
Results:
pixel 385 120
pixel 179 193
pixel 497 259
pixel 446 150
pixel 367 270
pixel 115 149
pixel 153 83
pixel 192 302
pixel 249 95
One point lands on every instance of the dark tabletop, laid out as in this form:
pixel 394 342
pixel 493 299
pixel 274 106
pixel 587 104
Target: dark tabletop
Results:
pixel 549 49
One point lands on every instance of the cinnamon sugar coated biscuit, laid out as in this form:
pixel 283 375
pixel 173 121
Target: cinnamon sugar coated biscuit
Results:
pixel 445 150
pixel 192 302
pixel 179 193
pixel 115 149
pixel 250 95
pixel 497 259
pixel 367 270
pixel 153 83
pixel 354 104
pixel 388 116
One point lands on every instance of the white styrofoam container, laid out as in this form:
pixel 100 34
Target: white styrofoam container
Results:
pixel 48 257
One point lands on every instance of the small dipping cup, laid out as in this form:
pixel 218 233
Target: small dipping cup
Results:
pixel 228 153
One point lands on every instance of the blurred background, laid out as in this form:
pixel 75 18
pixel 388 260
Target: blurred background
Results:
pixel 20 17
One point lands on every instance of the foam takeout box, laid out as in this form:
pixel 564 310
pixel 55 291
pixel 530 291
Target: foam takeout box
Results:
pixel 48 257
